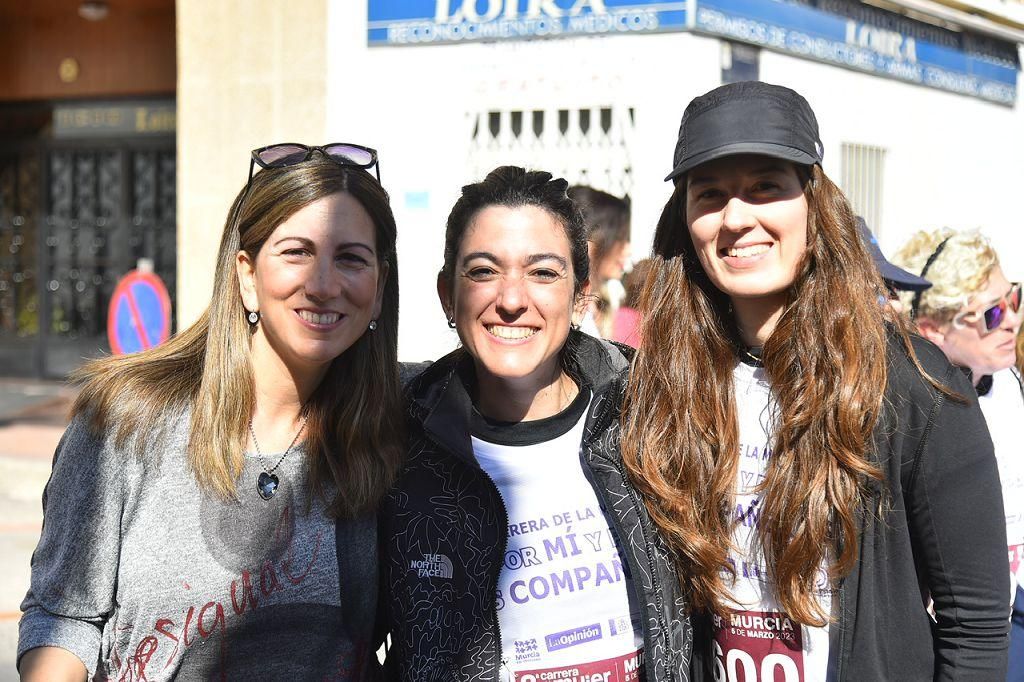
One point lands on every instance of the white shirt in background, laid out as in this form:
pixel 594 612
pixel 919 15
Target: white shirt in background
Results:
pixel 1003 407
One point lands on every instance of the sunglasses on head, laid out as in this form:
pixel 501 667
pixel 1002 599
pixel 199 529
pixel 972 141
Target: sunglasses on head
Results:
pixel 291 154
pixel 994 314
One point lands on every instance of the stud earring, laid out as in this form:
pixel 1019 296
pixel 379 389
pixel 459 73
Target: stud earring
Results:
pixel 451 322
pixel 254 318
pixel 373 325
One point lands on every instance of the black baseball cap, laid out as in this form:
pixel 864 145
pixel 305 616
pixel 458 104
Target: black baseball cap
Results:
pixel 893 274
pixel 749 117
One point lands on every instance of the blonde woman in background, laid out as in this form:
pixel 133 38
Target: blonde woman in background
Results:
pixel 973 313
pixel 201 493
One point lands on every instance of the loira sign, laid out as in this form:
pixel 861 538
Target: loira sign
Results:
pixel 865 38
pixel 447 11
pixel 847 33
pixel 417 22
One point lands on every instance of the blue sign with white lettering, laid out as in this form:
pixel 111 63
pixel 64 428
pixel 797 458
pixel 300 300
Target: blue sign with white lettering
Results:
pixel 418 22
pixel 863 45
pixel 843 32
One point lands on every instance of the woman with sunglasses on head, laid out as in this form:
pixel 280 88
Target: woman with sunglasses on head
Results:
pixel 513 545
pixel 973 313
pixel 204 490
pixel 814 471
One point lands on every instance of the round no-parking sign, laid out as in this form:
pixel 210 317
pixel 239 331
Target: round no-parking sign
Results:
pixel 140 313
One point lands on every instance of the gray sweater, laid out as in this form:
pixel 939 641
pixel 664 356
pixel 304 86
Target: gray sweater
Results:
pixel 143 576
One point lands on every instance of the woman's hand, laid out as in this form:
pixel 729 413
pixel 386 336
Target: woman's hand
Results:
pixel 52 664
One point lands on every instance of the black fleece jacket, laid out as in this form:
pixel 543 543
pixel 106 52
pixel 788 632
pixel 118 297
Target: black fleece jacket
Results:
pixel 935 529
pixel 445 627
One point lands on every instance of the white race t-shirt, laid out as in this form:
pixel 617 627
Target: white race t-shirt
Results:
pixel 1003 407
pixel 564 608
pixel 757 642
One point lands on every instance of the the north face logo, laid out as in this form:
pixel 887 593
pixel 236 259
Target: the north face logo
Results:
pixel 432 566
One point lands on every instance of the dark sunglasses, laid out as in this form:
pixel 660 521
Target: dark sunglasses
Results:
pixel 291 154
pixel 994 315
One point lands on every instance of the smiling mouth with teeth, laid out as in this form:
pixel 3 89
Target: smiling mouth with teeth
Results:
pixel 503 332
pixel 319 318
pixel 747 251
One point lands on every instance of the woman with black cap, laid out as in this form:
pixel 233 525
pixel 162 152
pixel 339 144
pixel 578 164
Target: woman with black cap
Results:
pixel 820 474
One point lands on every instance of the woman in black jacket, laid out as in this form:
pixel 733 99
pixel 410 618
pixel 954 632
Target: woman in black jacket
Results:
pixel 822 477
pixel 513 546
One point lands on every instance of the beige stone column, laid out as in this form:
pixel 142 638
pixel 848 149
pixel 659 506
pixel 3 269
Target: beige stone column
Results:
pixel 250 73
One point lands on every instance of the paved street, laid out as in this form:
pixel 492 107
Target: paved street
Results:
pixel 32 419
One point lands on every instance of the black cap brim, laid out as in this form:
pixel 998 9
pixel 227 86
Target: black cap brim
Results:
pixel 776 151
pixel 901 279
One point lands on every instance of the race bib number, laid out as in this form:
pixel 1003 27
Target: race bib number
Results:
pixel 758 646
pixel 628 668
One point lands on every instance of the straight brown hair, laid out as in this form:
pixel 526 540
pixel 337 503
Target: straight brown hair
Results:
pixel 354 430
pixel 826 362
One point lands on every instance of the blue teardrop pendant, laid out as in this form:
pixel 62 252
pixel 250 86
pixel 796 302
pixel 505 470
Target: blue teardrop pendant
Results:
pixel 266 485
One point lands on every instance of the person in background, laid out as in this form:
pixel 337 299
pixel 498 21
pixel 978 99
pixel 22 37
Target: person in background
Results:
pixel 896 278
pixel 973 313
pixel 608 227
pixel 513 545
pixel 808 461
pixel 626 326
pixel 211 511
pixel 1016 673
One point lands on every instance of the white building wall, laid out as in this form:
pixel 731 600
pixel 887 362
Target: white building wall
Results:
pixel 951 160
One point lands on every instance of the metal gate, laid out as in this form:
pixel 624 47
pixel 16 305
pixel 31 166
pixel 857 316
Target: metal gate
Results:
pixel 74 218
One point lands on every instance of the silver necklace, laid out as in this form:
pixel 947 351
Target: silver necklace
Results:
pixel 268 482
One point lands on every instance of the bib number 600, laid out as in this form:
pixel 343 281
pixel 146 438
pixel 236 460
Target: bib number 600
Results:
pixel 740 666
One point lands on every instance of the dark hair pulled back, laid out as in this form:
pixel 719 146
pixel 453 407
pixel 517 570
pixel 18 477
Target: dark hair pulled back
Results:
pixel 512 186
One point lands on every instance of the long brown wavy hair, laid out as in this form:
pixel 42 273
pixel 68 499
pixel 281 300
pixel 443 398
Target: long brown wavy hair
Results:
pixel 354 428
pixel 826 362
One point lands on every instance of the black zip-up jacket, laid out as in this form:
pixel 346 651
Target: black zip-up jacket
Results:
pixel 940 533
pixel 446 511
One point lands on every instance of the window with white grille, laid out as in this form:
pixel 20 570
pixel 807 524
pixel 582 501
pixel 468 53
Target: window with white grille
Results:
pixel 586 146
pixel 862 181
